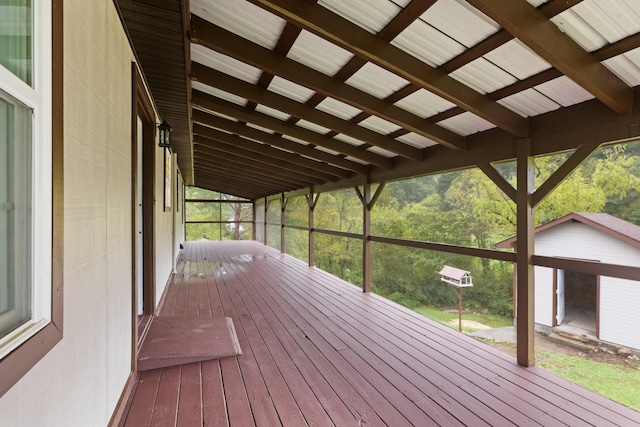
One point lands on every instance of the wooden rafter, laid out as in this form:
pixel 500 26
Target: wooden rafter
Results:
pixel 342 32
pixel 225 42
pixel 542 36
pixel 300 111
pixel 240 129
pixel 242 165
pixel 270 156
pixel 263 120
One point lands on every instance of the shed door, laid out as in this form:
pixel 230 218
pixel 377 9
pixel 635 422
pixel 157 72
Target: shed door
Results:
pixel 560 297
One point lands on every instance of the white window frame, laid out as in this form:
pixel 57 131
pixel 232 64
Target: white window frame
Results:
pixel 38 98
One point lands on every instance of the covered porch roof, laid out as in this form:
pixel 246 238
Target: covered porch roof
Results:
pixel 319 351
pixel 273 96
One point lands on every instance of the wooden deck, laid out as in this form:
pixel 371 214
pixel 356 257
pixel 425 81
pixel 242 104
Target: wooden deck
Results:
pixel 317 351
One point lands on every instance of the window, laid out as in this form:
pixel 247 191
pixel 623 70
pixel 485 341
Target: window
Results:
pixel 30 185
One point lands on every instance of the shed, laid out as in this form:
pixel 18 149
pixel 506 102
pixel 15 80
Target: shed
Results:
pixel 592 305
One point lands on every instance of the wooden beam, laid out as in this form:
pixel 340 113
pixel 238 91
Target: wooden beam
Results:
pixel 283 208
pixel 300 164
pixel 338 30
pixel 562 172
pixel 542 36
pixel 524 254
pixel 498 180
pixel 225 42
pixel 365 197
pixel 240 129
pixel 263 120
pixel 312 201
pixel 243 168
pixel 299 110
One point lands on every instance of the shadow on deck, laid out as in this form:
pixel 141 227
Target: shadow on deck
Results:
pixel 318 351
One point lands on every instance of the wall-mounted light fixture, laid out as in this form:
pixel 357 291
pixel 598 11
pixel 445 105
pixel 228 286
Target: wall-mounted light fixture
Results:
pixel 165 135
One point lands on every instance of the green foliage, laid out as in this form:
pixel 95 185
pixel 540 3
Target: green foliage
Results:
pixel 210 209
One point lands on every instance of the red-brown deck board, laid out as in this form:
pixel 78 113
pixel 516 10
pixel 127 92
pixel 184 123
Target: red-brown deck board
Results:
pixel 318 351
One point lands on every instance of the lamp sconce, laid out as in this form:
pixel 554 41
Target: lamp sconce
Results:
pixel 165 135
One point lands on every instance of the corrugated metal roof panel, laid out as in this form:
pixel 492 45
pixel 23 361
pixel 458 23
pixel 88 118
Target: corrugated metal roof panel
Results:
pixel 294 139
pixel 338 108
pixel 379 125
pixel 319 54
pixel 416 140
pixel 611 19
pixel 242 18
pixel 290 89
pixel 466 124
pixel 564 91
pixel 348 139
pixel 272 112
pixel 529 103
pixel 254 126
pixel 427 44
pixel 381 151
pixel 517 59
pixel 219 93
pixel 326 150
pixel 376 81
pixel 233 119
pixel 626 66
pixel 424 104
pixel 225 64
pixel 483 76
pixel 312 126
pixel 372 15
pixel 460 21
pixel 596 23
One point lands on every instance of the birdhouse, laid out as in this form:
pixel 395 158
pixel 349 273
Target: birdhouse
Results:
pixel 456 277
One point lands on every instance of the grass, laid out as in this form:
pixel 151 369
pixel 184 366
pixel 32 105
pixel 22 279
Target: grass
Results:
pixel 617 382
pixel 445 317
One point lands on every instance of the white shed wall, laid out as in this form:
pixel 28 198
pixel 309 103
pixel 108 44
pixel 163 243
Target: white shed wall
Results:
pixel 620 311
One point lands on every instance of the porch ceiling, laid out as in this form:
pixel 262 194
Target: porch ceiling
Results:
pixel 270 96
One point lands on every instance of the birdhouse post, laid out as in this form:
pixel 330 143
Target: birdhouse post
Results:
pixel 459 279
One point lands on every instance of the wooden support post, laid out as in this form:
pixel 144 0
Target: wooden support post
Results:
pixel 312 200
pixel 283 207
pixel 253 220
pixel 524 254
pixel 366 243
pixel 459 309
pixel 368 202
pixel 266 208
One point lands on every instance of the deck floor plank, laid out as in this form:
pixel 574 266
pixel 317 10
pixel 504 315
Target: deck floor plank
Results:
pixel 166 407
pixel 142 405
pixel 214 411
pixel 190 397
pixel 318 351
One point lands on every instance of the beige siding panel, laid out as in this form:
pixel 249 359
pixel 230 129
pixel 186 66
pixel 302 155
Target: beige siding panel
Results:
pixel 79 382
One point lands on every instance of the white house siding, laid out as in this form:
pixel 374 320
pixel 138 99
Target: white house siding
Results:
pixel 543 295
pixel 619 299
pixel 79 382
pixel 620 313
